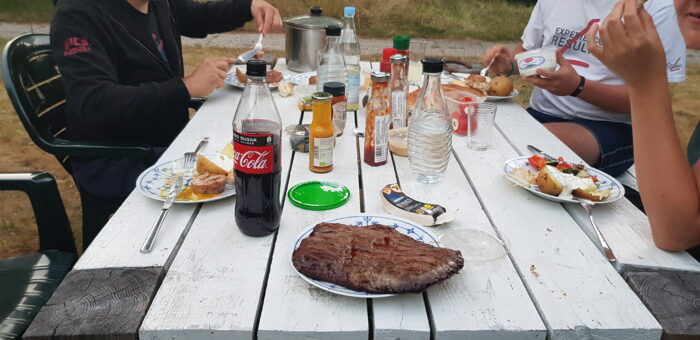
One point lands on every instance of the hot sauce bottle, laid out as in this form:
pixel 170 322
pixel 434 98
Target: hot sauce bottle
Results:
pixel 378 120
pixel 321 134
pixel 339 105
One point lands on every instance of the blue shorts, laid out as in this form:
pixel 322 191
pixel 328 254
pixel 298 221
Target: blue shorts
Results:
pixel 614 141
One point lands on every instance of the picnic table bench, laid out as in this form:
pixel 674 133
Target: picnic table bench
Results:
pixel 204 278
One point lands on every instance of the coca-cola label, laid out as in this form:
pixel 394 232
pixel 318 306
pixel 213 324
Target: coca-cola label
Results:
pixel 253 154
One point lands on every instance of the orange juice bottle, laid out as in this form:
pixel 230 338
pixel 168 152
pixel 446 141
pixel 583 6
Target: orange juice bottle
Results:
pixel 321 134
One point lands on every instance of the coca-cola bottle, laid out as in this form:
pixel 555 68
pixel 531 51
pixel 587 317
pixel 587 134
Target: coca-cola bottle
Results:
pixel 257 163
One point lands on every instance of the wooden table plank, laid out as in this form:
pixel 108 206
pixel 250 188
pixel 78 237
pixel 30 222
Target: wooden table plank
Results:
pixel 485 300
pixel 293 308
pixel 625 227
pixel 102 303
pixel 577 292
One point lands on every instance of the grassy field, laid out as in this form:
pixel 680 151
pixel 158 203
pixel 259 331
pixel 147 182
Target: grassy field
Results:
pixel 457 19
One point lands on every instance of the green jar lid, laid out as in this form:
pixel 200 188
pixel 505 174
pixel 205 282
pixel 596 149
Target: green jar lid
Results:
pixel 401 42
pixel 317 195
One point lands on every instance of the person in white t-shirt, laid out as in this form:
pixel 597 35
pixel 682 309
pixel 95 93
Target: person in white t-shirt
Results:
pixel 583 103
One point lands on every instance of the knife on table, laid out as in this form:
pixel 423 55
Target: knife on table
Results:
pixel 172 194
pixel 538 151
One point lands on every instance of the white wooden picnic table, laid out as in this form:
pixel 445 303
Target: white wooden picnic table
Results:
pixel 205 278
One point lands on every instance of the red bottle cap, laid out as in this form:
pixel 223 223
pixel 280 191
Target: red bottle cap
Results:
pixel 387 53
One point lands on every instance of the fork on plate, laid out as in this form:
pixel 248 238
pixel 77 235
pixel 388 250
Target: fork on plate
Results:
pixel 190 158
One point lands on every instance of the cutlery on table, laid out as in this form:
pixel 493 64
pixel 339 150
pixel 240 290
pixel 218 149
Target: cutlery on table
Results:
pixel 538 151
pixel 245 56
pixel 588 205
pixel 484 71
pixel 172 194
pixel 188 163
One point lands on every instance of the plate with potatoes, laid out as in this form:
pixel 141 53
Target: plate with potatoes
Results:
pixel 561 181
pixel 236 77
pixel 498 88
pixel 211 180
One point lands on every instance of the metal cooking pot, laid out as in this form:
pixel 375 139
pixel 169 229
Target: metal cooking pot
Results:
pixel 305 36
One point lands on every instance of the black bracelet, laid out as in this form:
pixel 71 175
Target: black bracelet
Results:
pixel 579 88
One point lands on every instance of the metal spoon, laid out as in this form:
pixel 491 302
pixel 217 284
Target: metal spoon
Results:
pixel 359 133
pixel 484 71
pixel 588 205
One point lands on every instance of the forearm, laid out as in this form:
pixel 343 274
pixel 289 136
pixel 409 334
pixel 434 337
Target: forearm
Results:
pixel 666 181
pixel 613 98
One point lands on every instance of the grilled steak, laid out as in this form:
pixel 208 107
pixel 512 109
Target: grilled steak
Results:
pixel 374 259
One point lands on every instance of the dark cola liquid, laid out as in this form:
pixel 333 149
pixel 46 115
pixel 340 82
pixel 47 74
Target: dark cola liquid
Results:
pixel 258 208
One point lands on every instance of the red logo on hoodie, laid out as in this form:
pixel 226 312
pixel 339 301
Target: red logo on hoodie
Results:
pixel 75 45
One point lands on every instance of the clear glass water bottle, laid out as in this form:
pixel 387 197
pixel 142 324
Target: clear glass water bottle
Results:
pixel 351 51
pixel 429 128
pixel 331 64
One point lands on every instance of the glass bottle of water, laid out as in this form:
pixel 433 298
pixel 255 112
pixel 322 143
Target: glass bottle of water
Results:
pixel 351 52
pixel 331 64
pixel 429 129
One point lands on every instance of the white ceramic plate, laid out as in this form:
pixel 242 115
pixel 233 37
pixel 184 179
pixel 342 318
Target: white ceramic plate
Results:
pixel 604 180
pixel 302 78
pixel 403 226
pixel 515 93
pixel 155 181
pixel 232 80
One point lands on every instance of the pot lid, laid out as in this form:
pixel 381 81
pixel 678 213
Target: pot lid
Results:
pixel 314 20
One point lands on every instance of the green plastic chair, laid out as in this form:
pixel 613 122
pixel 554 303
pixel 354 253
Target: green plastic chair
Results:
pixel 29 281
pixel 33 83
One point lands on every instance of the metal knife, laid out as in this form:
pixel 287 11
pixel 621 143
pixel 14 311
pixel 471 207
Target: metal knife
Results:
pixel 538 151
pixel 172 194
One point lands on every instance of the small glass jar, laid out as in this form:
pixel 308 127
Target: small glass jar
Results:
pixel 339 105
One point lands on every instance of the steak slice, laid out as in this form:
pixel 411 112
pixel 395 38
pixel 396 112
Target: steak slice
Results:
pixel 374 259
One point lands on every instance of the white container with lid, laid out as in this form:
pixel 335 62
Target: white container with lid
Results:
pixel 529 62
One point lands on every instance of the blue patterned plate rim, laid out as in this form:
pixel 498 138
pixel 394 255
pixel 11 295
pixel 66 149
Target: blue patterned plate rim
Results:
pixel 232 80
pixel 150 182
pixel 606 181
pixel 401 225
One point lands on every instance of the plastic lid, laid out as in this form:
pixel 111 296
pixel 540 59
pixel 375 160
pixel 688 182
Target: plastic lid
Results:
pixel 380 76
pixel 256 68
pixel 321 96
pixel 314 20
pixel 432 65
pixel 398 59
pixel 335 88
pixel 401 42
pixel 475 244
pixel 349 12
pixel 317 195
pixel 333 31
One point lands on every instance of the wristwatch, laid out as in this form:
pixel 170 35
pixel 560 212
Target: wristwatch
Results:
pixel 579 88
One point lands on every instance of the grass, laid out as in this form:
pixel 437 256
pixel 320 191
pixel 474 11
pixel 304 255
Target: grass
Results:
pixel 456 19
pixel 17 225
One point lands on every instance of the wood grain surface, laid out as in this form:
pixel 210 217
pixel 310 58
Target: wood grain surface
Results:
pixel 105 303
pixel 673 297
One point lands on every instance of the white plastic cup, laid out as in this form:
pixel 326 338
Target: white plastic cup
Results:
pixel 538 59
pixel 481 119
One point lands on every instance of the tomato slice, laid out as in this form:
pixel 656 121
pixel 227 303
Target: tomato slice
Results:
pixel 594 179
pixel 537 161
pixel 563 165
pixel 467 99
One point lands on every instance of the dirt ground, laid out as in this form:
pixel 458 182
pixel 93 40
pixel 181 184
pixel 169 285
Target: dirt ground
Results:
pixel 17 225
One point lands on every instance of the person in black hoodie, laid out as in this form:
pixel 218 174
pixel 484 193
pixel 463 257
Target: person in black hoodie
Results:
pixel 122 67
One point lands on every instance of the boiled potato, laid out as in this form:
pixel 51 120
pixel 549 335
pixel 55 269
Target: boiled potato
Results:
pixel 500 86
pixel 241 76
pixel 592 194
pixel 206 165
pixel 547 184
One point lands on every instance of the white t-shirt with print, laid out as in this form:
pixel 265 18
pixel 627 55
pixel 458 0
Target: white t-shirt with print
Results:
pixel 556 22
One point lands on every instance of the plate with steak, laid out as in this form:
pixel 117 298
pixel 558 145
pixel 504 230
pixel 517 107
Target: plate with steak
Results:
pixel 209 182
pixel 372 256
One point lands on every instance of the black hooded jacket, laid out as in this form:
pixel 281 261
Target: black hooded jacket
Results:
pixel 118 87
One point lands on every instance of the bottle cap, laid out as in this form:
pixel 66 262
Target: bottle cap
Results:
pixel 398 59
pixel 387 53
pixel 349 12
pixel 256 68
pixel 335 88
pixel 401 42
pixel 432 65
pixel 321 96
pixel 333 31
pixel 381 77
pixel 316 11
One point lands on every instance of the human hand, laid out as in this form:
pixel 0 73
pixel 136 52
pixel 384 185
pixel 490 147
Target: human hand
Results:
pixel 561 82
pixel 208 76
pixel 632 49
pixel 266 16
pixel 503 58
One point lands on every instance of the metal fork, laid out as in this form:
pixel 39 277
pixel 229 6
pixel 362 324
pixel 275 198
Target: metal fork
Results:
pixel 190 158
pixel 588 205
pixel 245 56
pixel 484 71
